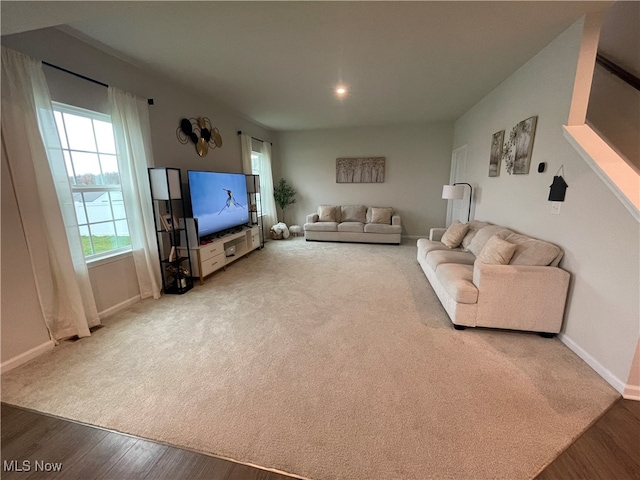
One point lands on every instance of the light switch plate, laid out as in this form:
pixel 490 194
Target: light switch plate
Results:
pixel 555 208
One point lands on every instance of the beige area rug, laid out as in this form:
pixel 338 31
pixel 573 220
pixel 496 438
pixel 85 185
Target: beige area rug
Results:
pixel 327 361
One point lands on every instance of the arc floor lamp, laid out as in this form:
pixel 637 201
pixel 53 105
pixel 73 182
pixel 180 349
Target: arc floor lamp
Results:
pixel 456 192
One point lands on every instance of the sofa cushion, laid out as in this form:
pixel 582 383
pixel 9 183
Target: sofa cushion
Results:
pixel 382 228
pixel 457 280
pixel 379 215
pixel 531 251
pixel 329 213
pixel 484 234
pixel 356 227
pixel 321 227
pixel 497 251
pixel 454 234
pixel 474 227
pixel 425 246
pixel 439 257
pixel 353 213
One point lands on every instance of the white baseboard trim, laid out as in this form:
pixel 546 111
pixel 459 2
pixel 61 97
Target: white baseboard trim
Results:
pixel 26 356
pixel 119 307
pixel 632 392
pixel 23 358
pixel 611 379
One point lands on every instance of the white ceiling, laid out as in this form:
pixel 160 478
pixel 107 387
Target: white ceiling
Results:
pixel 278 62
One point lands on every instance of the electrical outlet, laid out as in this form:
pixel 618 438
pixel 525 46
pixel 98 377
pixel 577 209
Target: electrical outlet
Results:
pixel 555 208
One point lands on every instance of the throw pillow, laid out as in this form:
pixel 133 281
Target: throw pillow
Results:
pixel 381 215
pixel 454 234
pixel 328 213
pixel 497 251
pixel 353 213
pixel 484 234
pixel 474 227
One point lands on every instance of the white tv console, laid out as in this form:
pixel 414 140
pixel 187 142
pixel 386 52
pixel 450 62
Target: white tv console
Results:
pixel 210 257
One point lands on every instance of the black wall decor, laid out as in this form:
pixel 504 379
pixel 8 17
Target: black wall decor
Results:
pixel 558 189
pixel 200 132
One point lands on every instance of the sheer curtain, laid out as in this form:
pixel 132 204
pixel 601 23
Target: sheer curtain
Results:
pixel 246 146
pixel 270 216
pixel 45 202
pixel 130 119
pixel 266 187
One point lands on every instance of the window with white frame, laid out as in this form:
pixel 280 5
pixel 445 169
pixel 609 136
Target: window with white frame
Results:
pixel 88 146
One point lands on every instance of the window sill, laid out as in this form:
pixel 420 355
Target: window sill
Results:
pixel 114 257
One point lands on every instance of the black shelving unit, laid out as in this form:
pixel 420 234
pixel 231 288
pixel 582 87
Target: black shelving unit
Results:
pixel 255 204
pixel 168 208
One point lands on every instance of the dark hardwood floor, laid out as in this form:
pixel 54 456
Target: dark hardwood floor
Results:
pixel 36 446
pixel 88 453
pixel 609 450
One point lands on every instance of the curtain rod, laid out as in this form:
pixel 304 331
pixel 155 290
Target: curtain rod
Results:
pixel 270 143
pixel 89 79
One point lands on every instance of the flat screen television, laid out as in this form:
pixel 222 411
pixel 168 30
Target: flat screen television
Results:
pixel 218 200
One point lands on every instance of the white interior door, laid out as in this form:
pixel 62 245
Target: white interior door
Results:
pixel 458 209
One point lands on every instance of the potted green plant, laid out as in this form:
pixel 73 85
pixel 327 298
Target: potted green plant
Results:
pixel 284 194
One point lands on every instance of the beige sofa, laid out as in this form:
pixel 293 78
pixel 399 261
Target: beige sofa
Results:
pixel 353 223
pixel 476 289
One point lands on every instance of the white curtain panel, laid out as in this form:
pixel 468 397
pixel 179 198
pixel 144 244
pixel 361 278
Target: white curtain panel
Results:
pixel 266 188
pixel 33 153
pixel 246 147
pixel 130 119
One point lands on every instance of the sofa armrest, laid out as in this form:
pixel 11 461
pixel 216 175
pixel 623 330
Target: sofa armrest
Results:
pixel 521 297
pixel 312 218
pixel 435 234
pixel 395 220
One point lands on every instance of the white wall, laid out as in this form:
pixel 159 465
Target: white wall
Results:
pixel 23 325
pixel 114 283
pixel 418 159
pixel 598 234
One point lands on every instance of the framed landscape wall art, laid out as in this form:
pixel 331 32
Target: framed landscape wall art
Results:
pixel 496 153
pixel 523 145
pixel 360 170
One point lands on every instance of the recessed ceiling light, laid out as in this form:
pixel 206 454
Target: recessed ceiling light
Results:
pixel 341 91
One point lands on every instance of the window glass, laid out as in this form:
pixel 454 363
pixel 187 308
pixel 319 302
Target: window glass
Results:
pixel 256 158
pixel 79 132
pixel 85 236
pixel 104 136
pixel 256 168
pixel 92 168
pixel 81 213
pixel 60 124
pixel 86 167
pixel 122 233
pixel 110 174
pixel 69 165
pixel 117 205
pixel 104 237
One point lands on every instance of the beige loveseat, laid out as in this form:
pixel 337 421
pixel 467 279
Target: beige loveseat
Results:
pixel 353 223
pixel 495 277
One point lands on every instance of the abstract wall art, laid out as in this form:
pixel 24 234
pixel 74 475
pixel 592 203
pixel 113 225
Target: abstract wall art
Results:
pixel 360 170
